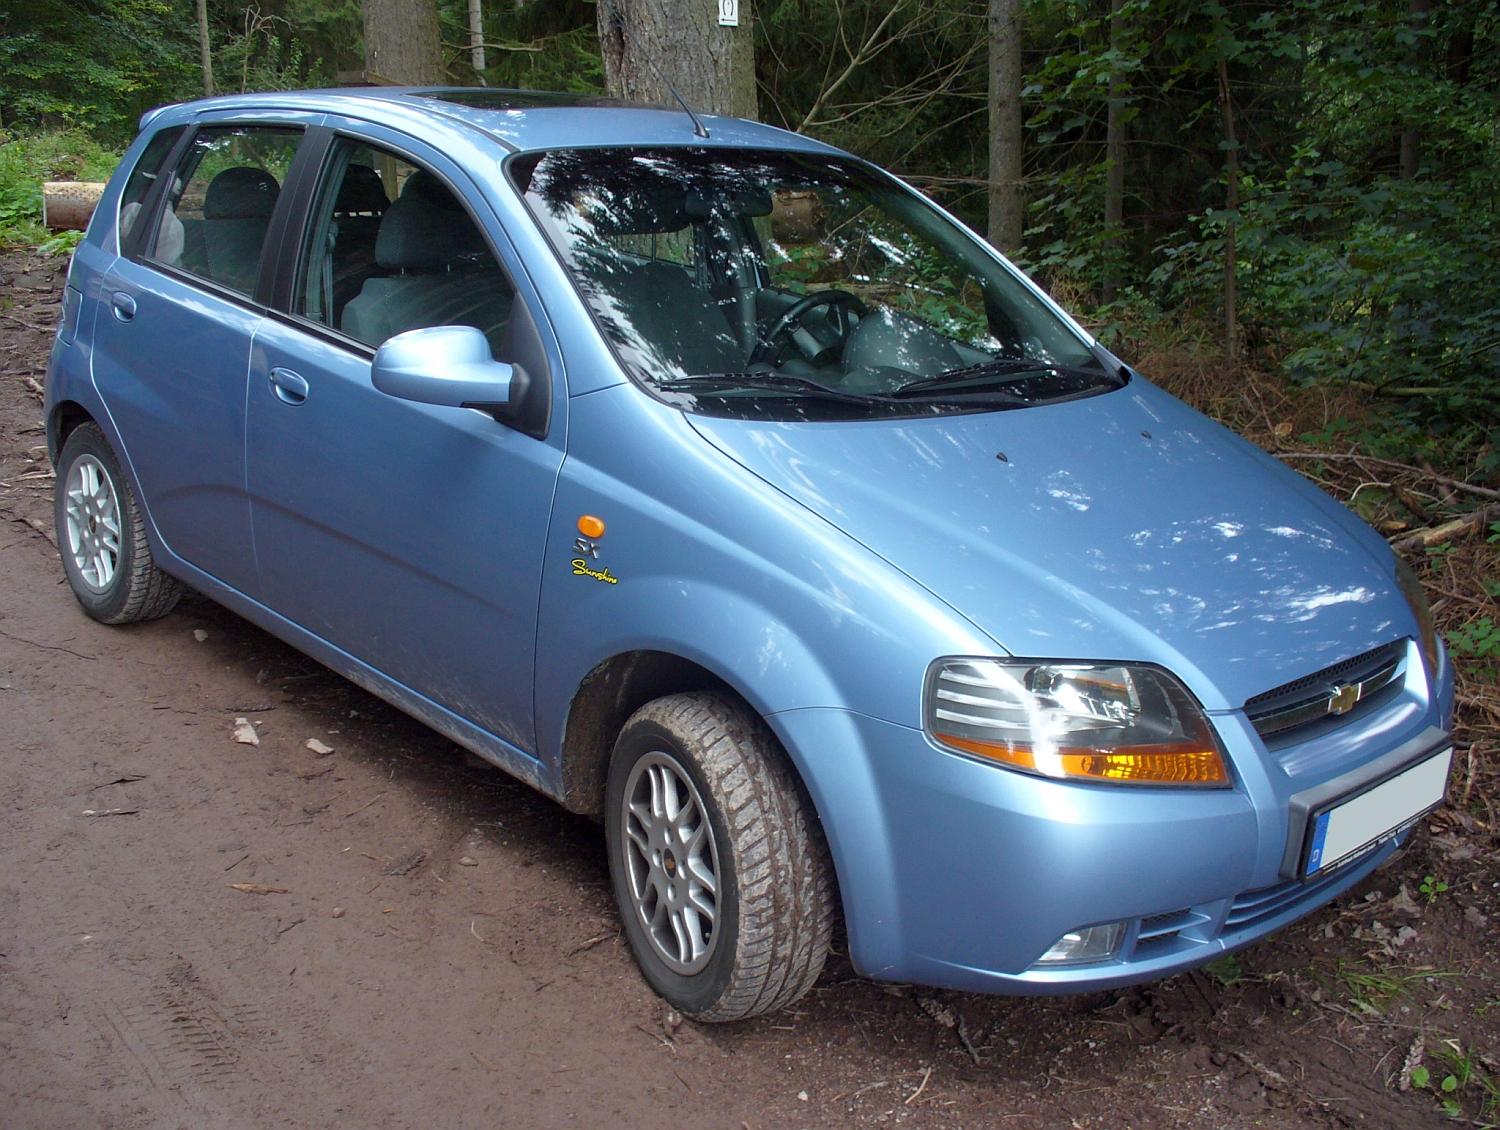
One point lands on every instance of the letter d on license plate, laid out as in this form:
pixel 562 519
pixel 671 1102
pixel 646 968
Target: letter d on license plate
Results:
pixel 1342 829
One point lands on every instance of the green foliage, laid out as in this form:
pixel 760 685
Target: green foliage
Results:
pixel 1458 1081
pixel 262 53
pixel 1226 970
pixel 1432 887
pixel 1479 642
pixel 96 64
pixel 25 162
pixel 552 46
pixel 60 243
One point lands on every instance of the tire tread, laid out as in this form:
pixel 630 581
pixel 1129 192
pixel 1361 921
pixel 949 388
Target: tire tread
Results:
pixel 786 893
pixel 148 593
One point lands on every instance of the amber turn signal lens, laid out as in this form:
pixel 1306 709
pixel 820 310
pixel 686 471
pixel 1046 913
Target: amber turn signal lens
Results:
pixel 591 527
pixel 1141 766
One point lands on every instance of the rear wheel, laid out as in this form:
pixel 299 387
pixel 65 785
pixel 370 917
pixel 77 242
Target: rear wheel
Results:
pixel 102 536
pixel 717 861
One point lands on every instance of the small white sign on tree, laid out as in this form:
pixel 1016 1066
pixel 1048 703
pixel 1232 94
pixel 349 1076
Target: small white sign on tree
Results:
pixel 729 13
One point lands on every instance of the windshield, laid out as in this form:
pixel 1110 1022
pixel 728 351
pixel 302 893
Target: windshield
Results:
pixel 794 286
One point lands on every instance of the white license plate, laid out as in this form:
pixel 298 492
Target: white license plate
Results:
pixel 1342 830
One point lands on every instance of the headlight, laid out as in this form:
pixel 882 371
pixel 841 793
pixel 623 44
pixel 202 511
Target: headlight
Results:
pixel 1427 636
pixel 1092 722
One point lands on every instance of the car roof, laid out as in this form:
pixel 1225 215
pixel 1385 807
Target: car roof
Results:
pixel 520 120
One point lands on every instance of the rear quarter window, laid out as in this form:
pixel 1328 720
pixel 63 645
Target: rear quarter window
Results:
pixel 141 179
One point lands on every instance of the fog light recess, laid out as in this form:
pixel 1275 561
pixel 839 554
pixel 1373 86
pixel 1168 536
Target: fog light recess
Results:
pixel 1091 943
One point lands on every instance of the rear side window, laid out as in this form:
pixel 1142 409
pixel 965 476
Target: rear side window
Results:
pixel 219 208
pixel 142 177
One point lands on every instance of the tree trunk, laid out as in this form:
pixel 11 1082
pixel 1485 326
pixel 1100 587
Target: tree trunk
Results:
pixel 402 43
pixel 1411 135
pixel 1232 204
pixel 205 55
pixel 1114 156
pixel 1006 218
pixel 650 46
pixel 476 38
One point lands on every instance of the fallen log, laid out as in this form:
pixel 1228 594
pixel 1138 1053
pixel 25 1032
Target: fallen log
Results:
pixel 1437 535
pixel 69 203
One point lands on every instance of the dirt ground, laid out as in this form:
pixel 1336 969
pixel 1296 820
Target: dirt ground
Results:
pixel 436 945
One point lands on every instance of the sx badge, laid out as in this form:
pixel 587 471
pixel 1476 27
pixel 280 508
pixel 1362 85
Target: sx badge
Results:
pixel 586 549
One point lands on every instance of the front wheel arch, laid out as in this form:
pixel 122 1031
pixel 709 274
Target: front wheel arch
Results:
pixel 608 695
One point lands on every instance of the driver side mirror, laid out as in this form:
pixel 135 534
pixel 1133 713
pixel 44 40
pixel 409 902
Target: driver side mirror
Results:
pixel 450 366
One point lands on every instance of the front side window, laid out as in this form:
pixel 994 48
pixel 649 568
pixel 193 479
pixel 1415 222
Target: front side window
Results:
pixel 805 287
pixel 220 206
pixel 391 249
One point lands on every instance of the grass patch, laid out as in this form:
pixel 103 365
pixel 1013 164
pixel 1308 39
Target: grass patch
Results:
pixel 1373 991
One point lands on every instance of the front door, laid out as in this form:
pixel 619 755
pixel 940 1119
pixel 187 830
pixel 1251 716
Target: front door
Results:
pixel 407 535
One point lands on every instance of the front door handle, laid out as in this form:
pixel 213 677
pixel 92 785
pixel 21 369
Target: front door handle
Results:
pixel 123 305
pixel 289 387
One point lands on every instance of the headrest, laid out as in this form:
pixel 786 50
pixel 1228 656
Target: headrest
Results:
pixel 740 202
pixel 425 186
pixel 242 193
pixel 362 191
pixel 415 236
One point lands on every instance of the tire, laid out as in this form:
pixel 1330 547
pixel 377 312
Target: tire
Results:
pixel 101 535
pixel 756 942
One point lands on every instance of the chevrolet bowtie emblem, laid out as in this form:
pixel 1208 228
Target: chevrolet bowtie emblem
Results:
pixel 1343 698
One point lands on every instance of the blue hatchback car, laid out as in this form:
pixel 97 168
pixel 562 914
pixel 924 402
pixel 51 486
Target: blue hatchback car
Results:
pixel 721 486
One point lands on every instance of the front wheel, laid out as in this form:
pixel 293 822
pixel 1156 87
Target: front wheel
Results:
pixel 101 535
pixel 716 858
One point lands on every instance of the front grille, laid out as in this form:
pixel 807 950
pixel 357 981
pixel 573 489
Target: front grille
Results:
pixel 1306 700
pixel 1254 907
pixel 1181 933
pixel 1159 931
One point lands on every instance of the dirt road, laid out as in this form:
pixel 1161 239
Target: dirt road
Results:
pixel 200 932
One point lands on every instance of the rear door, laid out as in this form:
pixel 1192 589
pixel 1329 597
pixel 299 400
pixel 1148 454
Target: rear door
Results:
pixel 172 336
pixel 408 535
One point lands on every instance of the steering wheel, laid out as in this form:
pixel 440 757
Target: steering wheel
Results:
pixel 843 303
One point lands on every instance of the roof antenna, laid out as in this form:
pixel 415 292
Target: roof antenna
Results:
pixel 698 127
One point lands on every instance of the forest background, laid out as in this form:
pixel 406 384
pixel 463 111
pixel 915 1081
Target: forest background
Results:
pixel 1309 184
pixel 1283 210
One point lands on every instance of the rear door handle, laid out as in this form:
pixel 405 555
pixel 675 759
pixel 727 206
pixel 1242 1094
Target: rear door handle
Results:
pixel 288 386
pixel 123 305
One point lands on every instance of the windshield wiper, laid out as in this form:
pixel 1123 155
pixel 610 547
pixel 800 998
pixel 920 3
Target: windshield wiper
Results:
pixel 776 382
pixel 975 377
pixel 769 382
pixel 972 378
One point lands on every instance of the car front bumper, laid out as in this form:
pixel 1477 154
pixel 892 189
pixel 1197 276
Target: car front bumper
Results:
pixel 961 874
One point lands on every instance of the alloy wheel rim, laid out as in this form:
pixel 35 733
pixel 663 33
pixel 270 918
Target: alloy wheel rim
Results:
pixel 671 863
pixel 92 512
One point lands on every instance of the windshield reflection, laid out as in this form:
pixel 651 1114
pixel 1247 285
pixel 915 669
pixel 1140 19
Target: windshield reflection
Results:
pixel 827 283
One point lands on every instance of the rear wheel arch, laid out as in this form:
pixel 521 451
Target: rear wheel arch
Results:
pixel 64 420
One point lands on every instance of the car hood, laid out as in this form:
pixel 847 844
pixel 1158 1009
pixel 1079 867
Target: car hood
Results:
pixel 1124 526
